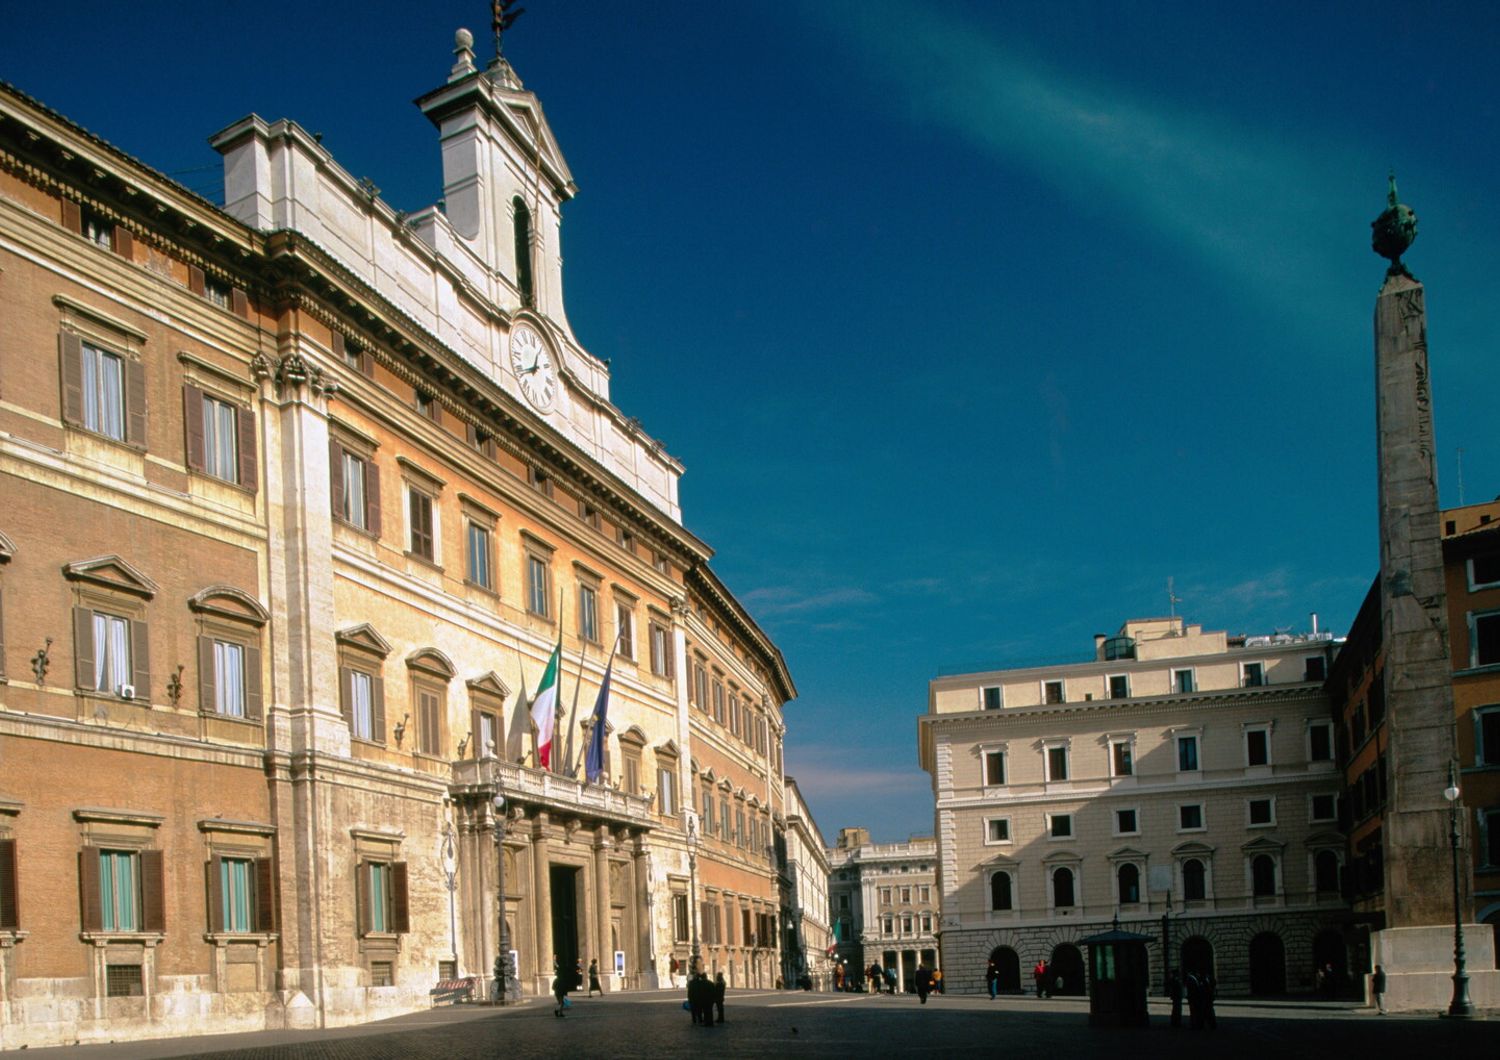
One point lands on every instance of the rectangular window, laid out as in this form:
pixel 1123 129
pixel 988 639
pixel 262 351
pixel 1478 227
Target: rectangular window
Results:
pixel 1121 760
pixel 1252 674
pixel 1320 742
pixel 885 896
pixel 429 722
pixel 588 613
pixel 221 426
pixel 1060 825
pixel 479 570
pixel 1487 736
pixel 1119 686
pixel 1052 692
pixel 353 506
pixel 1484 571
pixel 1262 811
pixel 111 653
pixel 123 980
pixel 994 768
pixel 427 405
pixel 906 896
pixel 229 679
pixel 1184 681
pixel 1324 808
pixel 991 697
pixel 378 891
pixel 120 890
pixel 888 926
pixel 680 918
pixel 419 521
pixel 718 700
pixel 537 579
pixel 726 823
pixel 104 392
pixel 661 650
pixel 1057 763
pixel 906 925
pixel 1257 747
pixel 236 891
pixel 1489 823
pixel 361 705
pixel 625 629
pixel 997 830
pixel 1484 639
pixel 666 792
pixel 10 910
pixel 1187 754
pixel 1126 822
pixel 488 734
pixel 1190 817
pixel 1314 668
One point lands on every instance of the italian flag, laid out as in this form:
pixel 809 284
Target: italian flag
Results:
pixel 544 708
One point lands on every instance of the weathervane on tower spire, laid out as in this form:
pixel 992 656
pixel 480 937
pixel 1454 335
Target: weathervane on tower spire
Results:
pixel 503 15
pixel 1393 231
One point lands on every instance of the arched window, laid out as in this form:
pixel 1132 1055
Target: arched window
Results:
pixel 1193 889
pixel 1130 884
pixel 1326 871
pixel 1000 898
pixel 1062 888
pixel 523 251
pixel 1263 876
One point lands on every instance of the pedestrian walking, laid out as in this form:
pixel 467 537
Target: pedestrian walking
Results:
pixel 1040 974
pixel 1377 987
pixel 1194 989
pixel 890 981
pixel 924 982
pixel 992 979
pixel 1210 988
pixel 594 978
pixel 719 987
pixel 937 980
pixel 1174 991
pixel 562 983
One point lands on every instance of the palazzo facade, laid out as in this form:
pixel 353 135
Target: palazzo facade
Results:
pixel 301 493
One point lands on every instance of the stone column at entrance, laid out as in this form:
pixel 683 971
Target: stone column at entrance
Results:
pixel 541 865
pixel 602 903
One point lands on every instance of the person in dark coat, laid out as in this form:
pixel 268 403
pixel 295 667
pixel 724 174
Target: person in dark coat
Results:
pixel 1210 988
pixel 594 978
pixel 719 987
pixel 1377 987
pixel 562 983
pixel 1194 990
pixel 1174 991
pixel 992 979
pixel 924 982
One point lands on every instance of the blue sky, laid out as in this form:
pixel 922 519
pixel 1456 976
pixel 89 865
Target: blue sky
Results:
pixel 972 323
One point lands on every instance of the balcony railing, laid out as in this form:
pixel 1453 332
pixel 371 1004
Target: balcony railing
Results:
pixel 553 791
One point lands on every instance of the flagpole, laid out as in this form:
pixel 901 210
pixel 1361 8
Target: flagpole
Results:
pixel 557 711
pixel 596 722
pixel 573 718
pixel 521 704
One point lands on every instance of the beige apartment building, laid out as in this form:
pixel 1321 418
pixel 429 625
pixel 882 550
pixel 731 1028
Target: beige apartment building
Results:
pixel 301 493
pixel 885 904
pixel 804 904
pixel 1180 774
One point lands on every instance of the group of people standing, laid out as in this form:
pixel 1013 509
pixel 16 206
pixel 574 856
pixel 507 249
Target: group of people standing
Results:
pixel 1200 990
pixel 565 981
pixel 705 998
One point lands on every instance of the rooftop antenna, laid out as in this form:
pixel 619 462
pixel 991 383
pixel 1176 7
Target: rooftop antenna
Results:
pixel 1460 476
pixel 503 15
pixel 1172 598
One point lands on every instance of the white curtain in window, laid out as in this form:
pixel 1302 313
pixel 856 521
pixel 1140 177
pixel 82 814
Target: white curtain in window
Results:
pixel 111 652
pixel 229 679
pixel 360 692
pixel 111 401
pixel 354 491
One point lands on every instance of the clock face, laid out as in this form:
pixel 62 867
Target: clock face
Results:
pixel 532 364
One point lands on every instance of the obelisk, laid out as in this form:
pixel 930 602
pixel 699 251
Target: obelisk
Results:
pixel 1414 622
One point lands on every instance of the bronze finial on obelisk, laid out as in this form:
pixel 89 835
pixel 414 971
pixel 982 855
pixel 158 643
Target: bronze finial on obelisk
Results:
pixel 1393 231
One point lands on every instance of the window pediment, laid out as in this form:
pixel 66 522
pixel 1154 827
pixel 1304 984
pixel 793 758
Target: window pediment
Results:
pixel 488 684
pixel 1192 849
pixel 726 785
pixel 111 572
pixel 1324 839
pixel 7 549
pixel 1264 845
pixel 633 735
pixel 432 661
pixel 668 749
pixel 225 601
pixel 1063 857
pixel 365 638
pixel 1128 854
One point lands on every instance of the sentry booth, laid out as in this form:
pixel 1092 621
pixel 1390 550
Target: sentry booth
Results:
pixel 1119 972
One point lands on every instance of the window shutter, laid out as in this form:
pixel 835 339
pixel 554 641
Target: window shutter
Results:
pixel 340 346
pixel 140 660
pixel 71 356
pixel 135 403
pixel 214 868
pixel 253 708
pixel 336 478
pixel 207 700
pixel 265 895
pixel 192 420
pixel 362 890
pixel 476 735
pixel 240 302
pixel 400 920
pixel 122 241
pixel 10 909
pixel 377 709
pixel 372 497
pixel 88 889
pixel 83 647
pixel 248 468
pixel 2 633
pixel 195 281
pixel 72 216
pixel 153 892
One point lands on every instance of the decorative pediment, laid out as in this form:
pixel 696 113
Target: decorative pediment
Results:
pixel 709 777
pixel 1062 857
pixel 633 735
pixel 364 637
pixel 1128 854
pixel 1263 845
pixel 431 661
pixel 726 785
pixel 7 549
pixel 1192 849
pixel 488 684
pixel 225 601
pixel 692 765
pixel 999 861
pixel 1324 838
pixel 111 572
pixel 754 802
pixel 668 749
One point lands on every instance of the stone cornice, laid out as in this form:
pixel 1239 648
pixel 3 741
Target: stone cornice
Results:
pixel 1142 706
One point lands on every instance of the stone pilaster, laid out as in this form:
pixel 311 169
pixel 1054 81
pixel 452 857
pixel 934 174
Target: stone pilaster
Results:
pixel 541 901
pixel 602 951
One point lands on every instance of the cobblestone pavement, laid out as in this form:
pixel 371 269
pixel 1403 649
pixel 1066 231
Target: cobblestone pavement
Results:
pixel 837 1025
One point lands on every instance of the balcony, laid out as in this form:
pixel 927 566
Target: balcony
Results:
pixel 553 792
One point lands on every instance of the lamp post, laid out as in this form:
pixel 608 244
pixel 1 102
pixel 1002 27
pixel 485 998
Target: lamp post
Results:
pixel 1460 1007
pixel 692 839
pixel 502 958
pixel 450 874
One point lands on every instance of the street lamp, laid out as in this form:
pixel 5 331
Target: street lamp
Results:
pixel 1460 1006
pixel 502 958
pixel 450 873
pixel 692 839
